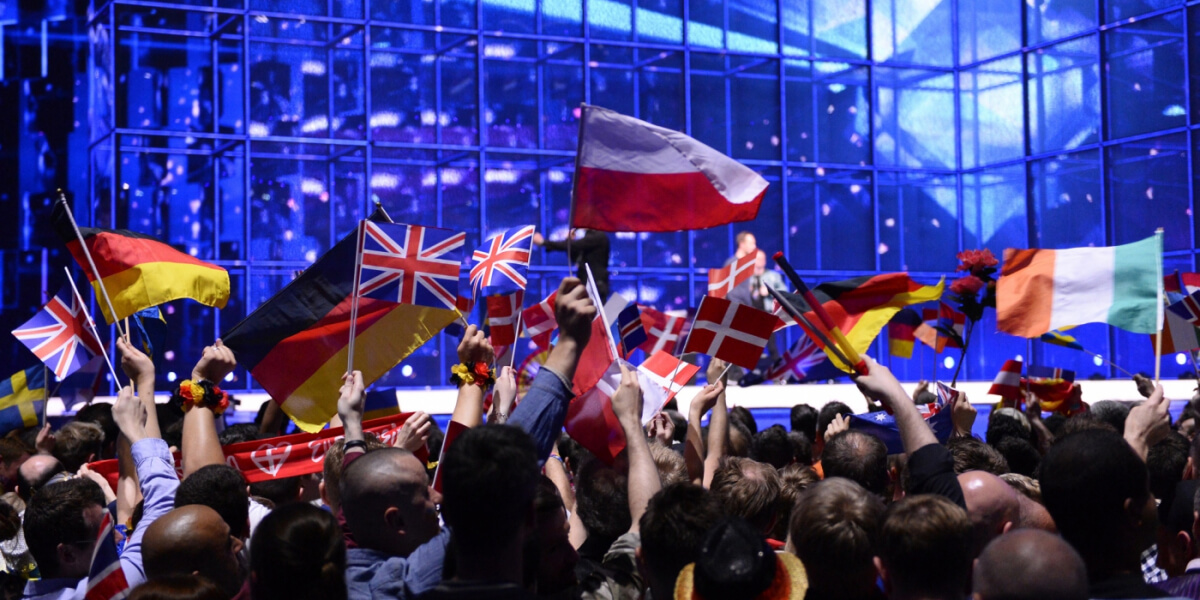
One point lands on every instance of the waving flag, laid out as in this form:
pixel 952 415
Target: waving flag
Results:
pixel 1007 384
pixel 59 336
pixel 22 399
pixel 106 580
pixel 630 328
pixel 1181 336
pixel 502 311
pixel 540 322
pixel 502 261
pixel 730 331
pixel 634 176
pixel 798 360
pixel 662 329
pixel 1188 308
pixel 724 280
pixel 883 426
pixel 662 376
pixel 1037 373
pixel 410 264
pixel 1059 338
pixel 902 332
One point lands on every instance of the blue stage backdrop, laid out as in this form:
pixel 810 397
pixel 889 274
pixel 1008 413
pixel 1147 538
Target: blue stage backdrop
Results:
pixel 894 133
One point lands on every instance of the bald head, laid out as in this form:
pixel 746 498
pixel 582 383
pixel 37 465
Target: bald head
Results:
pixel 1030 565
pixel 35 473
pixel 193 539
pixel 386 501
pixel 994 507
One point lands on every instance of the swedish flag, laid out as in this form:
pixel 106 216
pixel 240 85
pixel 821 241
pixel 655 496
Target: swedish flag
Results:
pixel 22 399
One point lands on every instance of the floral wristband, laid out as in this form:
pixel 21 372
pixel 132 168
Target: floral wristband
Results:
pixel 202 393
pixel 479 374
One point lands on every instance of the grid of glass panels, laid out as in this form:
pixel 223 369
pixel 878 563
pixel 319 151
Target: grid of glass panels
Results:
pixel 255 133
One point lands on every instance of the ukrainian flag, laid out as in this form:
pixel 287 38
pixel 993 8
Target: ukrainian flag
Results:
pixel 22 399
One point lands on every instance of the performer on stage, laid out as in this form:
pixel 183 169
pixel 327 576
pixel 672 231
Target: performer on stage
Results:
pixel 590 247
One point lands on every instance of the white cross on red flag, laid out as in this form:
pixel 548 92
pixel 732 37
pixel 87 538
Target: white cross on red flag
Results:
pixel 724 280
pixel 502 312
pixel 662 329
pixel 540 322
pixel 730 331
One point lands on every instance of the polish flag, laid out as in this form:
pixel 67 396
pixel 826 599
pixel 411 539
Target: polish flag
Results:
pixel 722 281
pixel 540 322
pixel 634 176
pixel 730 331
pixel 663 329
pixel 502 311
pixel 1007 384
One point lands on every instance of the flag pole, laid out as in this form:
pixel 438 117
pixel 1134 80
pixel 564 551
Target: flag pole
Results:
pixel 1114 365
pixel 92 325
pixel 45 392
pixel 62 197
pixel 575 181
pixel 354 301
pixel 1159 318
pixel 512 358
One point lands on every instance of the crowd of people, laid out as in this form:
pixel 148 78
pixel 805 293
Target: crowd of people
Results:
pixel 1103 504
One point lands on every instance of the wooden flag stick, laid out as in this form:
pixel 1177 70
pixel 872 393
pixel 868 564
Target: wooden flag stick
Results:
pixel 45 392
pixel 92 325
pixel 62 197
pixel 354 302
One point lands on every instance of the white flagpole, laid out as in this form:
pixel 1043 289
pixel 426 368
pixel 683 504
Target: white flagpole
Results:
pixel 62 197
pixel 92 325
pixel 595 295
pixel 354 302
pixel 1160 318
pixel 583 108
pixel 512 353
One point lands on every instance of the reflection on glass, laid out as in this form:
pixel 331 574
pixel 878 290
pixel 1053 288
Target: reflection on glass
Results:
pixel 993 119
pixel 1066 193
pixel 1064 95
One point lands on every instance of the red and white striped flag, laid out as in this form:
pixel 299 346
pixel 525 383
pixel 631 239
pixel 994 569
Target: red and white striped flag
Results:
pixel 106 580
pixel 722 281
pixel 663 330
pixel 1007 384
pixel 730 331
pixel 540 322
pixel 502 313
pixel 635 176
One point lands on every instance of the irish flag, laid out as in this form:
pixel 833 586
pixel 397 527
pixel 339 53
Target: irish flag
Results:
pixel 634 176
pixel 1043 290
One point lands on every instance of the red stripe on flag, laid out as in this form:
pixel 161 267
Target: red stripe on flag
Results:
pixel 610 200
pixel 114 253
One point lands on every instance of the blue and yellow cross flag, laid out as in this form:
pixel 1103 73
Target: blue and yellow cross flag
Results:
pixel 22 399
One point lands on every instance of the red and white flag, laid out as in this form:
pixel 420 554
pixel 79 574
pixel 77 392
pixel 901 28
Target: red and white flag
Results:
pixel 732 332
pixel 662 329
pixel 502 312
pixel 1007 384
pixel 658 385
pixel 634 176
pixel 590 417
pixel 540 322
pixel 722 281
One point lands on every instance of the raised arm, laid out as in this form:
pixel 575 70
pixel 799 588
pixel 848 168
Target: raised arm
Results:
pixel 140 370
pixel 503 395
pixel 1148 423
pixel 881 385
pixel 693 449
pixel 643 475
pixel 474 349
pixel 718 434
pixel 201 447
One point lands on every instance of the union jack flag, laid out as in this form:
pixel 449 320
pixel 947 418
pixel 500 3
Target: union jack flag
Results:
pixel 59 336
pixel 106 580
pixel 410 264
pixel 1188 308
pixel 501 263
pixel 798 360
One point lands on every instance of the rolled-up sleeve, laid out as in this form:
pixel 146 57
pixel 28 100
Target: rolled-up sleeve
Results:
pixel 157 478
pixel 543 410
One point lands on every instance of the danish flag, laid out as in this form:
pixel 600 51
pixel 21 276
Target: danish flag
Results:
pixel 59 336
pixel 410 264
pixel 501 263
pixel 663 330
pixel 722 281
pixel 798 360
pixel 730 331
pixel 106 580
pixel 503 311
pixel 540 322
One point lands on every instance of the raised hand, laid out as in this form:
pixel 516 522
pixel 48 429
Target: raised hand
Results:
pixel 45 440
pixel 627 400
pixel 130 415
pixel 504 394
pixel 880 384
pixel 574 312
pixel 475 347
pixel 839 424
pixel 1148 423
pixel 414 432
pixel 137 366
pixel 351 399
pixel 215 363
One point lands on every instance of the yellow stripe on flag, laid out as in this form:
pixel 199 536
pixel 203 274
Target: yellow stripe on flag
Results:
pixel 868 326
pixel 153 283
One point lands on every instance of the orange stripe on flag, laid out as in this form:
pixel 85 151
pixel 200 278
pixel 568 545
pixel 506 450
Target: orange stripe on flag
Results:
pixel 1025 292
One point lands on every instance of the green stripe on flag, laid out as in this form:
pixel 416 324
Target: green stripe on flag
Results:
pixel 1137 286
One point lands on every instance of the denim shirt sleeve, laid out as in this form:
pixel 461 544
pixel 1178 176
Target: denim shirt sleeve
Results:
pixel 156 475
pixel 543 410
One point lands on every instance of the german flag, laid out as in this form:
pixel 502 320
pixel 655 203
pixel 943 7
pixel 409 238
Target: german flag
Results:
pixel 22 399
pixel 860 307
pixel 139 271
pixel 902 332
pixel 296 344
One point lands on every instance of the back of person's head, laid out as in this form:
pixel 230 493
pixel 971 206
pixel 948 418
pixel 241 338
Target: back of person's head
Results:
pixel 1029 564
pixel 182 586
pixel 1055 423
pixel 793 480
pixel 100 413
pixel 802 448
pixel 13 450
pixel 298 553
pixel 331 469
pixel 772 446
pixel 1082 422
pixel 387 501
pixel 740 439
pixel 1005 422
pixel 1087 479
pixel 747 489
pixel 223 489
pixel 736 563
pixel 489 479
pixel 1112 412
pixel 193 539
pixel 602 501
pixel 60 520
pixel 834 531
pixel 238 433
pixel 280 491
pixel 925 547
pixel 804 420
pixel 670 464
pixel 826 415
pixel 859 457
pixel 572 453
pixel 970 454
pixel 78 443
pixel 741 414
pixel 549 557
pixel 1020 455
pixel 673 528
pixel 10 521
pixel 1025 485
pixel 1166 462
pixel 35 473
